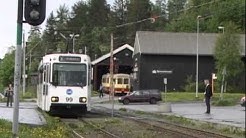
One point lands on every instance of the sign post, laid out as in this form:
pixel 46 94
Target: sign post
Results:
pixel 223 81
pixel 165 84
pixel 214 77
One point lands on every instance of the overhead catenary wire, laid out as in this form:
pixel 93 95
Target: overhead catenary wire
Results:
pixel 163 15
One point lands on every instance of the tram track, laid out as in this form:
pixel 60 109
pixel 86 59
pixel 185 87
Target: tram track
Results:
pixel 176 129
pixel 104 131
pixel 95 120
pixel 73 123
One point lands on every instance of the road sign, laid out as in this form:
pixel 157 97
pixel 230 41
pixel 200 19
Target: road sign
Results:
pixel 165 80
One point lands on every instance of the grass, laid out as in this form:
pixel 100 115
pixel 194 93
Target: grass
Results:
pixel 223 129
pixel 229 99
pixel 53 129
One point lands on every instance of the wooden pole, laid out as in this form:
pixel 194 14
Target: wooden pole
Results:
pixel 111 74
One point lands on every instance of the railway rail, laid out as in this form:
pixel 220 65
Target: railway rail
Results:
pixel 83 119
pixel 104 131
pixel 164 128
pixel 161 125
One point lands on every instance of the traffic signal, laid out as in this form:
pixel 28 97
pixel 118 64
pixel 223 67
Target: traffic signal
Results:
pixel 35 11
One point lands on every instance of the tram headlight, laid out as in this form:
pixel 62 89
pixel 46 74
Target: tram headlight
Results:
pixel 54 99
pixel 82 99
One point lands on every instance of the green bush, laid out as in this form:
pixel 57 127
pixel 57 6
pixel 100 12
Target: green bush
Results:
pixel 224 102
pixel 190 85
pixel 31 92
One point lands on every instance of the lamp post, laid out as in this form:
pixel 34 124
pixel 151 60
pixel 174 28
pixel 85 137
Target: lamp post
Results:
pixel 73 36
pixel 224 70
pixel 197 51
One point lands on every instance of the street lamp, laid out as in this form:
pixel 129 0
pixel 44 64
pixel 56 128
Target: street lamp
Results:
pixel 73 38
pixel 223 86
pixel 197 50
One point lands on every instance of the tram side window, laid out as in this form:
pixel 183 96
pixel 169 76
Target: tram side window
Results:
pixel 104 80
pixel 126 81
pixel 40 75
pixel 119 81
pixel 45 73
pixel 40 78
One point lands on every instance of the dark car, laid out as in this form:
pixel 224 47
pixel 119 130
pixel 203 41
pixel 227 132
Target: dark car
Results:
pixel 151 96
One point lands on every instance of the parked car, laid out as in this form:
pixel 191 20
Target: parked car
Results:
pixel 242 102
pixel 152 96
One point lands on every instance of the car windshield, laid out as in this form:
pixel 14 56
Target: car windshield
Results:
pixel 69 74
pixel 131 93
pixel 137 93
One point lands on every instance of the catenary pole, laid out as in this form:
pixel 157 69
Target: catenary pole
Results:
pixel 17 72
pixel 111 73
pixel 24 65
pixel 197 54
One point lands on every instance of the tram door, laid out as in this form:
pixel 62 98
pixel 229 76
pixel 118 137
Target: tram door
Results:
pixel 46 85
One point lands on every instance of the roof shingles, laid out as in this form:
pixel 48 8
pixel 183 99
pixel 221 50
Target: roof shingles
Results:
pixel 166 43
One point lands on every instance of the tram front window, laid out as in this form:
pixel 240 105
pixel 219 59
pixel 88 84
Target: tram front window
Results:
pixel 69 74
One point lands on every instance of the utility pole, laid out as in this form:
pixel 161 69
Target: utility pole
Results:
pixel 111 73
pixel 24 66
pixel 197 53
pixel 17 69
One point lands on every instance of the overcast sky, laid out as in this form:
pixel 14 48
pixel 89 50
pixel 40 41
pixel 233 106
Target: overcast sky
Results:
pixel 8 15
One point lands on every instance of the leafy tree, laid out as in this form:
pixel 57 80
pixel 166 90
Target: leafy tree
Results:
pixel 49 37
pixel 214 13
pixel 174 8
pixel 61 24
pixel 229 11
pixel 159 9
pixel 62 17
pixel 228 54
pixel 139 10
pixel 98 13
pixel 7 68
pixel 79 19
pixel 119 17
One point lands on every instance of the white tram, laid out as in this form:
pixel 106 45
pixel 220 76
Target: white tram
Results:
pixel 64 83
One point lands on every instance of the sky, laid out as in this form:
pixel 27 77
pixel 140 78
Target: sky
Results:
pixel 8 15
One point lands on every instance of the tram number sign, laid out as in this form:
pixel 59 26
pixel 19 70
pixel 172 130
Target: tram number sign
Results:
pixel 69 99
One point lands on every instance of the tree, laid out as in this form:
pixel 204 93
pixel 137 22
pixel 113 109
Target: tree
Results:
pixel 139 10
pixel 119 17
pixel 79 19
pixel 174 8
pixel 7 68
pixel 159 9
pixel 49 38
pixel 228 54
pixel 98 13
pixel 183 14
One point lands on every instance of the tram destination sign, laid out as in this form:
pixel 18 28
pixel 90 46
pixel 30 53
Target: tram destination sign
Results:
pixel 69 59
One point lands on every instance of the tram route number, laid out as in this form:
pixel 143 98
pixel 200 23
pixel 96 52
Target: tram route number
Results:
pixel 69 99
